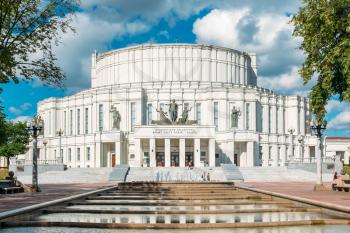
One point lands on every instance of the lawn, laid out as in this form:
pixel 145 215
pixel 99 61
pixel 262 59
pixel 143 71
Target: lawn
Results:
pixel 3 173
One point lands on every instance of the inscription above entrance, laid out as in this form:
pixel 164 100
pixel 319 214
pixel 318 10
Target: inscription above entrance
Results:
pixel 179 132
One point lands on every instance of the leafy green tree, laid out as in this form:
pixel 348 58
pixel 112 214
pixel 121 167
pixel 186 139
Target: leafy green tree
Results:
pixel 29 29
pixel 324 26
pixel 15 139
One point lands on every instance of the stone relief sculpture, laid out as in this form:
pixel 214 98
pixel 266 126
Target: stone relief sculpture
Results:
pixel 235 113
pixel 116 118
pixel 173 118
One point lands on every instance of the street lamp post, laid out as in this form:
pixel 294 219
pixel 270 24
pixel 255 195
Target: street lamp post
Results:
pixel 318 127
pixel 45 143
pixel 60 133
pixel 34 128
pixel 291 132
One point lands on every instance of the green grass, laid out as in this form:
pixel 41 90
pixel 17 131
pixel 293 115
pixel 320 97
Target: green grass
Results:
pixel 3 173
pixel 347 169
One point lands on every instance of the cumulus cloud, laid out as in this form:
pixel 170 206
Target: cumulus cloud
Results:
pixel 267 34
pixel 341 121
pixel 21 109
pixel 22 119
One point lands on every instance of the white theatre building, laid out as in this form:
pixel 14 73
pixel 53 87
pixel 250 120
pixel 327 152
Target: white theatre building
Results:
pixel 175 105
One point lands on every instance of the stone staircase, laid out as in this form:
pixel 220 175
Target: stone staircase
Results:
pixel 119 173
pixel 279 174
pixel 231 172
pixel 161 174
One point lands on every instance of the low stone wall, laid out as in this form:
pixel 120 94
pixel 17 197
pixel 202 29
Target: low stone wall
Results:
pixel 311 167
pixel 28 169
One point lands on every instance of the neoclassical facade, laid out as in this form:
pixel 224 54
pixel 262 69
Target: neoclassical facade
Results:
pixel 175 105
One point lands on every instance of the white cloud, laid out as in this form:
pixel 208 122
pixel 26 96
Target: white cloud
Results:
pixel 15 110
pixel 337 106
pixel 22 119
pixel 341 121
pixel 21 109
pixel 267 34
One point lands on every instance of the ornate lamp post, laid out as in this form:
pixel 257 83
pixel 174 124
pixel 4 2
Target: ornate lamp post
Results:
pixel 34 128
pixel 300 140
pixel 45 143
pixel 318 127
pixel 291 155
pixel 60 158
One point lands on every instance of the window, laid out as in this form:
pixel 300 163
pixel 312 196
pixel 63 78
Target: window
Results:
pixel 269 119
pixel 270 151
pixel 132 156
pixel 71 122
pixel 78 154
pixel 78 121
pixel 216 115
pixel 69 154
pixel 198 113
pixel 247 116
pixel 149 113
pixel 100 117
pixel 279 153
pixel 88 153
pixel 133 116
pixel 65 122
pixel 54 153
pixel 86 120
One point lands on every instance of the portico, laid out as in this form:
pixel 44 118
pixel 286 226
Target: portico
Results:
pixel 174 146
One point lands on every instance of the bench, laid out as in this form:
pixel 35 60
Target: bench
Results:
pixel 11 190
pixel 344 187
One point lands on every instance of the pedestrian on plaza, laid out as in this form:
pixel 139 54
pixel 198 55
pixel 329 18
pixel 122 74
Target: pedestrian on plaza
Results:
pixel 335 176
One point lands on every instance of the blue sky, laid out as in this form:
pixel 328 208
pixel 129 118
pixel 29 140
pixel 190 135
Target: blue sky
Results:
pixel 252 26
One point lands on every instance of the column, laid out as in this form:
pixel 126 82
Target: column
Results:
pixel 307 153
pixel 98 149
pixel 250 154
pixel 137 151
pixel 118 153
pixel 197 152
pixel 182 151
pixel 253 119
pixel 152 152
pixel 265 155
pixel 265 117
pixel 211 151
pixel 283 154
pixel 290 149
pixel 274 155
pixel 167 152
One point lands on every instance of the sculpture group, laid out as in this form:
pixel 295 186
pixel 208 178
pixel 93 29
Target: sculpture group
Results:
pixel 173 118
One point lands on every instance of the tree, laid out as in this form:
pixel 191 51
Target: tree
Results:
pixel 324 26
pixel 15 139
pixel 29 29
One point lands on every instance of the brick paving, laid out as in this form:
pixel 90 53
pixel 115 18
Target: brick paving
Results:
pixel 305 190
pixel 49 192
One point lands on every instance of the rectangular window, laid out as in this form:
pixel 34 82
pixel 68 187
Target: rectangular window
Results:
pixel 161 106
pixel 198 113
pixel 78 154
pixel 71 122
pixel 270 119
pixel 247 117
pixel 86 120
pixel 270 152
pixel 65 122
pixel 133 116
pixel 279 153
pixel 100 117
pixel 78 121
pixel 216 115
pixel 69 154
pixel 149 114
pixel 88 153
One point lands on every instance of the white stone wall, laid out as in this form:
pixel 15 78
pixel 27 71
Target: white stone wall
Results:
pixel 190 74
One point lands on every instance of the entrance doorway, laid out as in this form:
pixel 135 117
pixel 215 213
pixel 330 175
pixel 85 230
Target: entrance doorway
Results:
pixel 146 159
pixel 160 159
pixel 236 160
pixel 175 159
pixel 113 160
pixel 189 159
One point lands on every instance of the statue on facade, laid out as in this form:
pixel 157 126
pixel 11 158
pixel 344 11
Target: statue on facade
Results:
pixel 308 126
pixel 163 118
pixel 116 118
pixel 235 113
pixel 184 116
pixel 173 108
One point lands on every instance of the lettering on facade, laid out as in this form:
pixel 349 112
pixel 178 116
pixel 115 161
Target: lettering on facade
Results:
pixel 180 132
